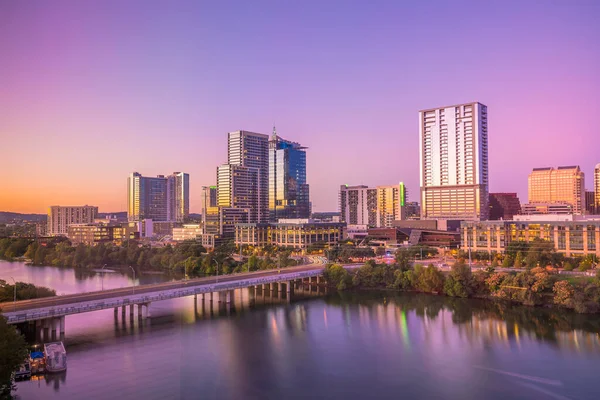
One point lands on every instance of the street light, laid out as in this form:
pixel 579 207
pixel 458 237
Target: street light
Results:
pixel 133 287
pixel 216 262
pixel 102 275
pixel 15 295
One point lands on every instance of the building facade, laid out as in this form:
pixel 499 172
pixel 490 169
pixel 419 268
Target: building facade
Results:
pixel 238 187
pixel 296 233
pixel 146 197
pixel 590 203
pixel 373 207
pixel 187 232
pixel 288 190
pixel 59 218
pixel 358 205
pixel 453 144
pixel 570 237
pixel 178 197
pixel 504 206
pixel 562 185
pixel 210 210
pixel 91 234
pixel 250 150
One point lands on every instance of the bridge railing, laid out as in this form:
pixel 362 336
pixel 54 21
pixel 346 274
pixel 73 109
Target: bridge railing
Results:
pixel 143 298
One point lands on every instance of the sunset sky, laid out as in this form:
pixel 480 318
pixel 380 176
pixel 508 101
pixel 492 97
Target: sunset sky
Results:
pixel 93 90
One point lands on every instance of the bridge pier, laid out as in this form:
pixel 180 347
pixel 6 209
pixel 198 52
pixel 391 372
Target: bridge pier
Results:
pixel 228 296
pixel 45 324
pixel 140 311
pixel 116 312
pixel 131 310
pixel 211 297
pixel 203 297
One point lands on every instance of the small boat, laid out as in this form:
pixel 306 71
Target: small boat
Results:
pixel 37 360
pixel 56 357
pixel 24 371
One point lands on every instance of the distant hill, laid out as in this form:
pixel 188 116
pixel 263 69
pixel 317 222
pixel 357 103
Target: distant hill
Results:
pixel 7 217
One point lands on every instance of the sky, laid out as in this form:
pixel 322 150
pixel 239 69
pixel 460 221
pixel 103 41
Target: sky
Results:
pixel 91 91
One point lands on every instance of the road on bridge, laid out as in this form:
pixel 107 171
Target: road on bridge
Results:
pixel 107 294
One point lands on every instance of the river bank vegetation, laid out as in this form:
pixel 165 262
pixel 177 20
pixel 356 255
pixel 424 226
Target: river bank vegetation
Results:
pixel 188 257
pixel 533 287
pixel 25 291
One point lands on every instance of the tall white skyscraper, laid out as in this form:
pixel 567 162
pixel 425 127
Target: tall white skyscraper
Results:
pixel 178 196
pixel 453 144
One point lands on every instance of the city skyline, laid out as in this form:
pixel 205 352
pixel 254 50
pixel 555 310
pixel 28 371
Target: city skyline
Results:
pixel 103 95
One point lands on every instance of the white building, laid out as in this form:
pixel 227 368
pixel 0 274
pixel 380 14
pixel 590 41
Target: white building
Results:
pixel 373 207
pixel 453 144
pixel 187 232
pixel 59 218
pixel 178 196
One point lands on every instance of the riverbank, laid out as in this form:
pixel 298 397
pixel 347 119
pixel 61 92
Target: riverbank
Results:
pixel 535 287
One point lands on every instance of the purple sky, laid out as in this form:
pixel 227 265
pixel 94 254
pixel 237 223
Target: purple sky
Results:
pixel 93 90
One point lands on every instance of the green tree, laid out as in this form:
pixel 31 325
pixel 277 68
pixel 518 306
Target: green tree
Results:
pixel 13 351
pixel 459 282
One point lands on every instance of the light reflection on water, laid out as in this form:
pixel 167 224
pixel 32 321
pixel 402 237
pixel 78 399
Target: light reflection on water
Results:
pixel 364 345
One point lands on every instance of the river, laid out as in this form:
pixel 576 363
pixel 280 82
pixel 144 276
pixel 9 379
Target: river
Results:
pixel 329 346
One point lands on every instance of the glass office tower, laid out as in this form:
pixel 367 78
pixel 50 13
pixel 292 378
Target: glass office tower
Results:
pixel 288 190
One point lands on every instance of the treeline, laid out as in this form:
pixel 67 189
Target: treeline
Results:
pixel 189 257
pixel 538 252
pixel 25 291
pixel 531 287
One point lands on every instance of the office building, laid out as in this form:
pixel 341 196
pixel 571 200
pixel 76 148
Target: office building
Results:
pixel 562 185
pixel 297 233
pixel 146 197
pixel 59 218
pixel 251 151
pixel 504 206
pixel 178 197
pixel 91 234
pixel 210 210
pixel 161 198
pixel 238 187
pixel 597 188
pixel 573 237
pixel 453 144
pixel 590 203
pixel 187 232
pixel 412 210
pixel 373 207
pixel 288 190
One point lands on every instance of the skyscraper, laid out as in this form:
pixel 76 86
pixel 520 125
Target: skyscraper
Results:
pixel 247 166
pixel 562 185
pixel 210 210
pixel 158 198
pixel 453 144
pixel 391 201
pixel 178 196
pixel 504 206
pixel 288 190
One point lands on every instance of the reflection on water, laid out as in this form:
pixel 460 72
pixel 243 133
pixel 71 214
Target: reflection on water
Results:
pixel 351 345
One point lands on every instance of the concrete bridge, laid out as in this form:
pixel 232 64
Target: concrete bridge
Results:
pixel 48 314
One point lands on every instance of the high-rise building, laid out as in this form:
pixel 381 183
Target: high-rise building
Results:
pixel 146 197
pixel 504 206
pixel 391 201
pixel 590 203
pixel 178 196
pixel 288 190
pixel 358 205
pixel 209 210
pixel 251 151
pixel 454 162
pixel 59 218
pixel 597 187
pixel 562 185
pixel 238 187
pixel 158 198
pixel 374 207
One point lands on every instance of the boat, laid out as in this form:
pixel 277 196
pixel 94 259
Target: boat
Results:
pixel 24 371
pixel 37 360
pixel 56 357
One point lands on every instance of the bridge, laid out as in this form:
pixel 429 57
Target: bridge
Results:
pixel 49 313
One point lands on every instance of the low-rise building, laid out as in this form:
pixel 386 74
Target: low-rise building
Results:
pixel 94 233
pixel 546 208
pixel 572 237
pixel 187 232
pixel 297 233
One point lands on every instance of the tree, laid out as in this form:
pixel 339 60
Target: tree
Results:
pixel 508 262
pixel 430 279
pixel 459 282
pixel 13 351
pixel 563 293
pixel 519 260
